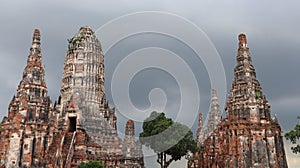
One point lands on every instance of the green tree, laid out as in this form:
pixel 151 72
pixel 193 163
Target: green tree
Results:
pixel 294 137
pixel 166 137
pixel 91 164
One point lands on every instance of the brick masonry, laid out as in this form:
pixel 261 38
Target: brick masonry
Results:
pixel 78 127
pixel 248 136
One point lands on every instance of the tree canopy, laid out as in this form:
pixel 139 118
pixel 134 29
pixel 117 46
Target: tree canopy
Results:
pixel 166 137
pixel 91 164
pixel 294 137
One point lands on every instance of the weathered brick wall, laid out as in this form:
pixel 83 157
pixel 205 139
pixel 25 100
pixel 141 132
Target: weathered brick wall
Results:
pixel 24 131
pixel 247 136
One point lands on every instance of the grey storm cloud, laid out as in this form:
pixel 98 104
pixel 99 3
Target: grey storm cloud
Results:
pixel 272 29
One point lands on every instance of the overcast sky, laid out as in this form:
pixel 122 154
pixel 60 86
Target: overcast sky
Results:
pixel 271 28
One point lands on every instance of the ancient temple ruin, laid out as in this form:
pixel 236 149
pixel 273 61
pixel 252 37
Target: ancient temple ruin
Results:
pixel 214 116
pixel 248 136
pixel 24 134
pixel 79 127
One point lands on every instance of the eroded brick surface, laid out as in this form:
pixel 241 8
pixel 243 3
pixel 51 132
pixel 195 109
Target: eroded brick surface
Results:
pixel 24 134
pixel 247 136
pixel 79 127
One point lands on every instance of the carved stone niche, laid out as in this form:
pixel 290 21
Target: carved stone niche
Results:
pixel 79 68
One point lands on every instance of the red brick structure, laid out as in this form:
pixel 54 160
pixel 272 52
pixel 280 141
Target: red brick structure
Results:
pixel 247 136
pixel 79 127
pixel 24 134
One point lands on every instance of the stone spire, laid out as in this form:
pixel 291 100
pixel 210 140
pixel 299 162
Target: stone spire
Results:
pixel 84 69
pixel 36 48
pixel 132 149
pixel 81 126
pixel 246 100
pixel 32 88
pixel 129 130
pixel 82 99
pixel 243 41
pixel 25 129
pixel 86 126
pixel 244 68
pixel 34 73
pixel 199 138
pixel 214 115
pixel 247 136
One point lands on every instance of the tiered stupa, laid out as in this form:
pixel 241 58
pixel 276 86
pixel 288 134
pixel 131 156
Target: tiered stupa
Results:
pixel 214 116
pixel 80 127
pixel 24 133
pixel 247 136
pixel 86 124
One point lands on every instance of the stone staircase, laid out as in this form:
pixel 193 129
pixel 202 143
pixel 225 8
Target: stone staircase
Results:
pixel 53 148
pixel 71 150
pixel 67 147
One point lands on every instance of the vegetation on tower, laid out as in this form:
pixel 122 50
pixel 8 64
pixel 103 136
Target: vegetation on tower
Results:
pixel 73 41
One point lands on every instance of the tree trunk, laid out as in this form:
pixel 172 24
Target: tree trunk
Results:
pixel 160 160
pixel 165 160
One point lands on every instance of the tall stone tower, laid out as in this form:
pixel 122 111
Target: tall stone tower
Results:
pixel 246 100
pixel 199 135
pixel 132 148
pixel 214 116
pixel 86 125
pixel 213 119
pixel 248 136
pixel 84 69
pixel 80 127
pixel 24 133
pixel 194 160
pixel 82 101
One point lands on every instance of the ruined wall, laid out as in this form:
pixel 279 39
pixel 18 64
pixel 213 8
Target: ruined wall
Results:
pixel 242 144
